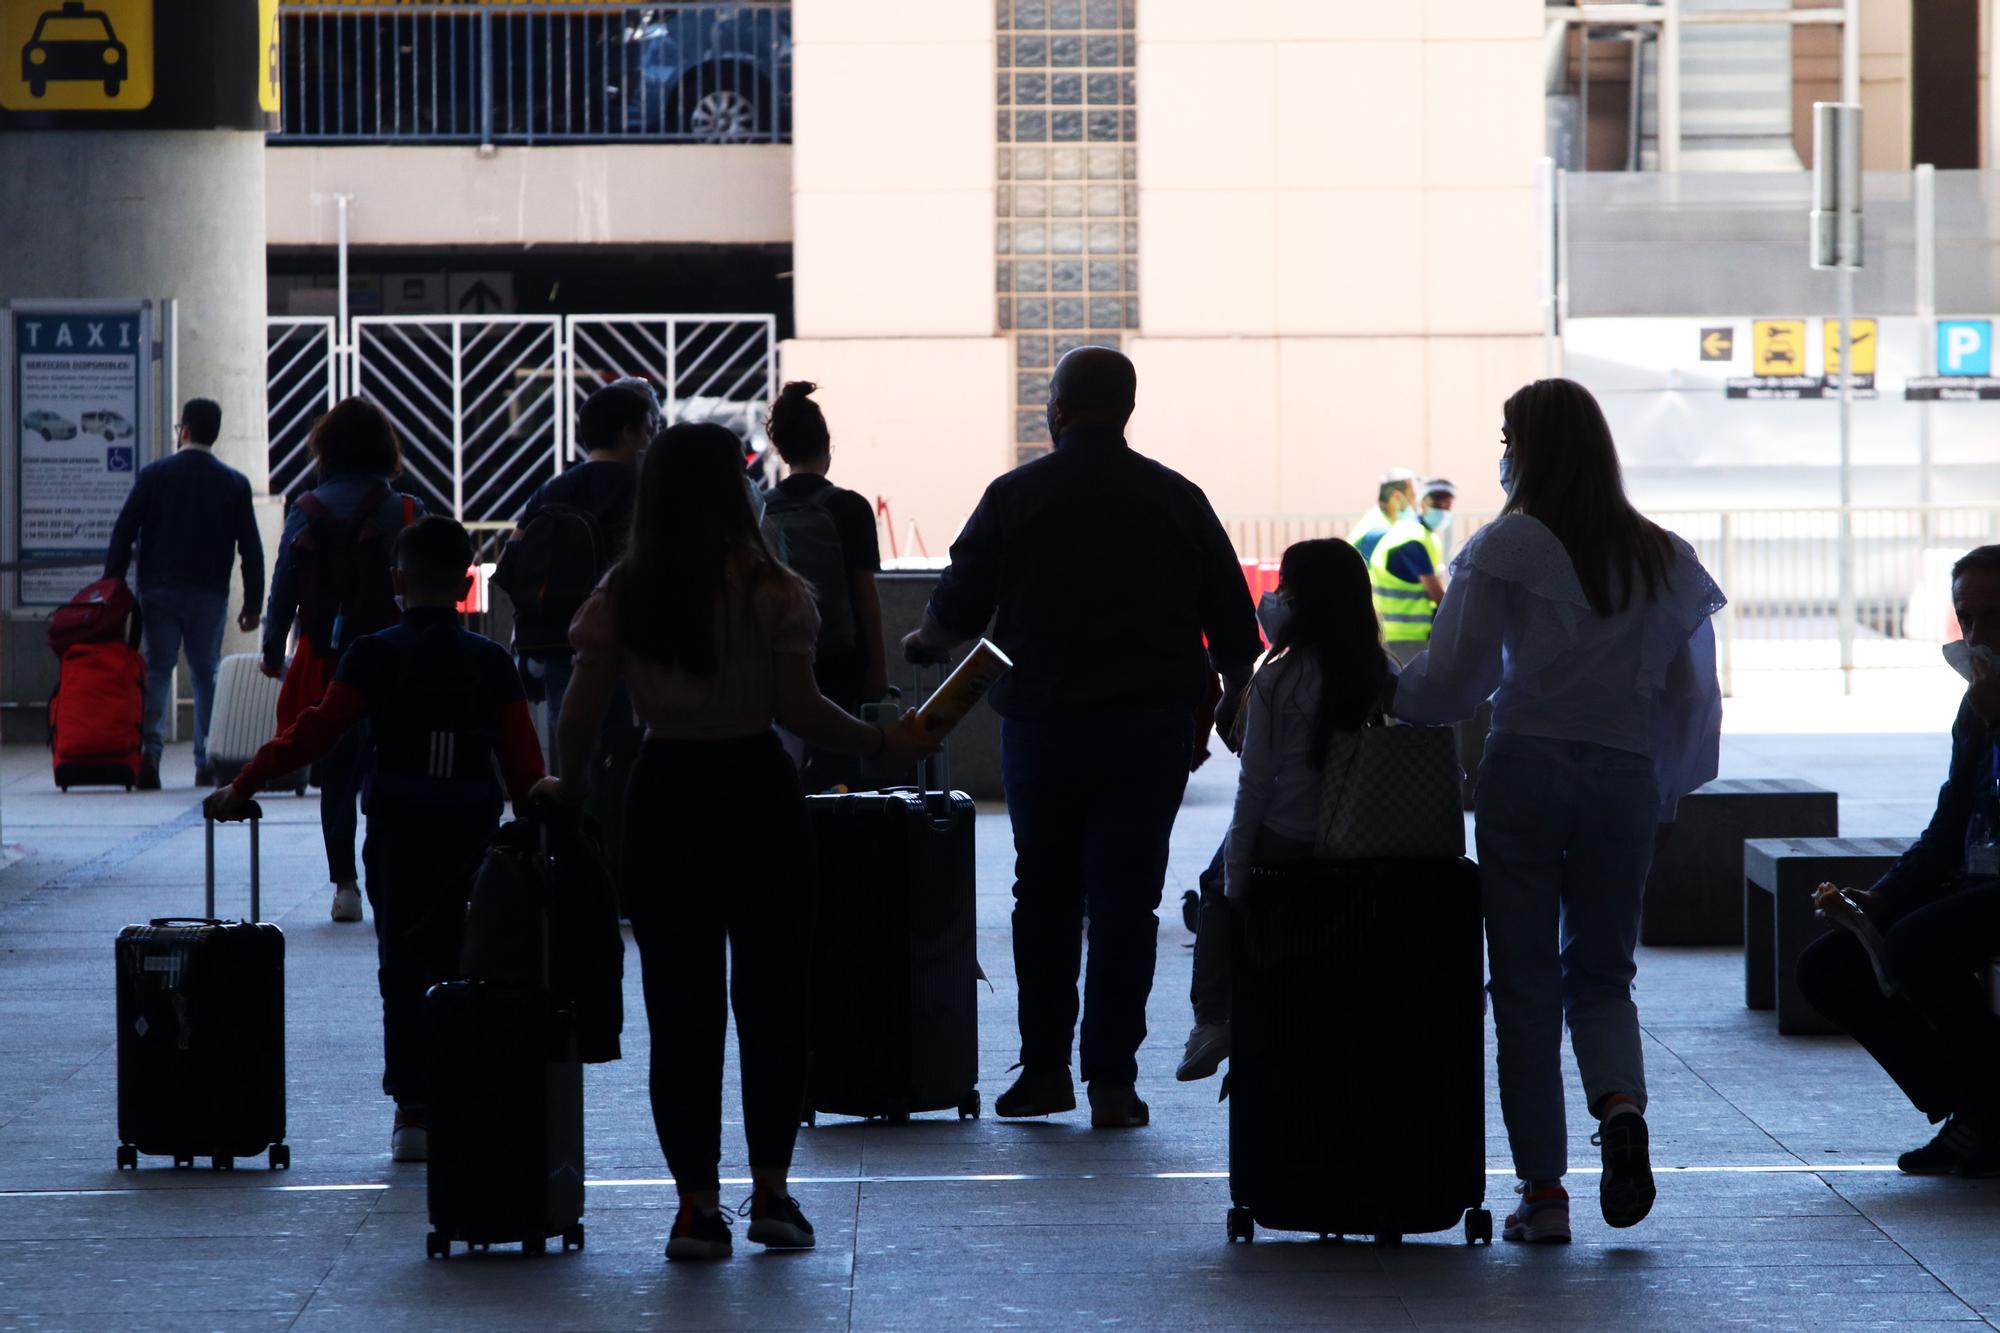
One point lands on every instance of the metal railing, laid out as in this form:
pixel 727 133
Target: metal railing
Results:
pixel 1780 569
pixel 524 73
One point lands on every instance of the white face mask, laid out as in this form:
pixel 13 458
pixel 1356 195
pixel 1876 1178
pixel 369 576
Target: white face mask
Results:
pixel 1961 657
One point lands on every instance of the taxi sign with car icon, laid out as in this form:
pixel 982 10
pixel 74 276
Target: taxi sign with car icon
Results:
pixel 108 424
pixel 73 44
pixel 48 425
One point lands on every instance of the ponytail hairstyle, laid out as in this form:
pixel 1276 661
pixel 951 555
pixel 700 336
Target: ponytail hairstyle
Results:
pixel 797 427
pixel 1333 623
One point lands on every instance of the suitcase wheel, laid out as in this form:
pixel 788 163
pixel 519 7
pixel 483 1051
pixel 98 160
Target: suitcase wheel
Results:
pixel 1389 1240
pixel 436 1246
pixel 535 1245
pixel 280 1157
pixel 182 1163
pixel 1478 1227
pixel 573 1238
pixel 970 1107
pixel 1241 1226
pixel 223 1163
pixel 896 1118
pixel 810 1120
pixel 128 1157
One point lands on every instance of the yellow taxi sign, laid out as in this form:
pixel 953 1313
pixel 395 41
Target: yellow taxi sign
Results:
pixel 270 73
pixel 76 55
pixel 1861 335
pixel 1777 347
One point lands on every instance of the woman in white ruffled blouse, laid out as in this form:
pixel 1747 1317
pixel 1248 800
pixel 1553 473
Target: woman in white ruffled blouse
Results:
pixel 1588 626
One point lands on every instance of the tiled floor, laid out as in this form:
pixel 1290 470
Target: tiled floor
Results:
pixel 1775 1209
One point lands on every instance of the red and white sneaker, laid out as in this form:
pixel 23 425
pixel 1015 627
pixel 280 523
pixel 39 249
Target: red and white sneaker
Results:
pixel 1541 1218
pixel 776 1222
pixel 699 1234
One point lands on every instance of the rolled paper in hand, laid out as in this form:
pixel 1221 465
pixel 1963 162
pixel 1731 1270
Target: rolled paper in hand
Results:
pixel 963 689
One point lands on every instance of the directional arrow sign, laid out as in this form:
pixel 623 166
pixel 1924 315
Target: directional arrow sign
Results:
pixel 1718 344
pixel 481 293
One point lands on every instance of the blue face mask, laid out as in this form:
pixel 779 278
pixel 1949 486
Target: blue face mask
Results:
pixel 1437 520
pixel 1507 473
pixel 1273 614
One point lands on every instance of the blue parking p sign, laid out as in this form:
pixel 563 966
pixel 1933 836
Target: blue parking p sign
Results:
pixel 1965 346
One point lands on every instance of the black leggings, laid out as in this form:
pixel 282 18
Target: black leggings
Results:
pixel 719 861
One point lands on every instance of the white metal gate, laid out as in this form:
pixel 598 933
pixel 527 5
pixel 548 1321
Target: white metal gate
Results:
pixel 708 367
pixel 302 380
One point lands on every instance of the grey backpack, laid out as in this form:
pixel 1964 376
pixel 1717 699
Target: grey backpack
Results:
pixel 809 542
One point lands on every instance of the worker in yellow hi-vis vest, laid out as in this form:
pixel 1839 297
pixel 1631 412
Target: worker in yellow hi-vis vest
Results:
pixel 1407 569
pixel 1394 497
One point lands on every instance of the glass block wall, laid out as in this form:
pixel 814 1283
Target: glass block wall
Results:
pixel 1067 235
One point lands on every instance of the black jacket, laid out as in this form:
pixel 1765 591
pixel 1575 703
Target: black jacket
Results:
pixel 1936 860
pixel 191 515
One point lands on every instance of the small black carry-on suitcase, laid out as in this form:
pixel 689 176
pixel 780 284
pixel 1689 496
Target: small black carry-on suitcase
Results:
pixel 896 966
pixel 1356 1088
pixel 506 1086
pixel 201 1035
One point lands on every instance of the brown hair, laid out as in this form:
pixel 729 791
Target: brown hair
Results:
pixel 356 438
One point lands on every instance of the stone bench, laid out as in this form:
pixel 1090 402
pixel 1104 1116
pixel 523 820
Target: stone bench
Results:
pixel 1694 894
pixel 1779 876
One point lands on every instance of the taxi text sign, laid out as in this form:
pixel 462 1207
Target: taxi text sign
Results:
pixel 1777 347
pixel 80 385
pixel 76 55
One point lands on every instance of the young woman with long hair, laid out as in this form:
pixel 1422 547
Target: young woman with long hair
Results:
pixel 1324 679
pixel 712 638
pixel 1588 627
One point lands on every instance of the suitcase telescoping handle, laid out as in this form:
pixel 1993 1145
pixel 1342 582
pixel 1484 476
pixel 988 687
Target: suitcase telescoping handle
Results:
pixel 256 817
pixel 934 770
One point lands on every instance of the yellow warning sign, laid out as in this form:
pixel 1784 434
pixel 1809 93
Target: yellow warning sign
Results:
pixel 1778 347
pixel 76 55
pixel 270 73
pixel 1861 334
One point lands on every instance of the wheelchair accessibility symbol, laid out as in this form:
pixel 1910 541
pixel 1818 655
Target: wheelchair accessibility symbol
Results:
pixel 76 55
pixel 118 458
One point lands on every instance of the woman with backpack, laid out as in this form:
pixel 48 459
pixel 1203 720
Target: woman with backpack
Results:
pixel 1323 681
pixel 1588 627
pixel 333 580
pixel 828 537
pixel 712 638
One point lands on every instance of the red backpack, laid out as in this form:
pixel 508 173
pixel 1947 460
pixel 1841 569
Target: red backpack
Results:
pixel 346 589
pixel 104 612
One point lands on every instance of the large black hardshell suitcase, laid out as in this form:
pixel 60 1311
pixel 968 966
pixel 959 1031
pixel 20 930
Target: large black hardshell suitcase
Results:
pixel 1357 1064
pixel 201 1035
pixel 896 966
pixel 505 1118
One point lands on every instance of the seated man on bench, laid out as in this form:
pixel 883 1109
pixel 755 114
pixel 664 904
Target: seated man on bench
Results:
pixel 1938 910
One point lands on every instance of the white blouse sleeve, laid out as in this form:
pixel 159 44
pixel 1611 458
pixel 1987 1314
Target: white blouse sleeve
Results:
pixel 1460 670
pixel 1689 752
pixel 1254 785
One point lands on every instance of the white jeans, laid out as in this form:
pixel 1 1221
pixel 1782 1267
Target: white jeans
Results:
pixel 1565 835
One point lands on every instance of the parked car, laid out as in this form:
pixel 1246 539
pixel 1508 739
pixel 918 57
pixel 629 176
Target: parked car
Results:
pixel 48 425
pixel 711 74
pixel 108 424
pixel 73 45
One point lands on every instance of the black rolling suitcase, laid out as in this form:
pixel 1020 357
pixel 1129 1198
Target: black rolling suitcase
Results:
pixel 201 1035
pixel 1356 1088
pixel 896 966
pixel 506 1084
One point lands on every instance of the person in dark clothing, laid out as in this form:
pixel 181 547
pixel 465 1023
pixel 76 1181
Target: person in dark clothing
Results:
pixel 613 426
pixel 357 458
pixel 192 516
pixel 449 718
pixel 713 638
pixel 848 662
pixel 1106 570
pixel 1938 913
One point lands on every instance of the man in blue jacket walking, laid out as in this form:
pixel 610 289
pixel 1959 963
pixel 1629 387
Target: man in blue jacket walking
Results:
pixel 191 514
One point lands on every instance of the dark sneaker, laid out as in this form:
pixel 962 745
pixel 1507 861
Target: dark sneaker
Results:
pixel 1117 1106
pixel 1207 1048
pixel 149 776
pixel 1541 1218
pixel 777 1223
pixel 1044 1091
pixel 1937 1158
pixel 204 775
pixel 1976 1140
pixel 1625 1190
pixel 699 1235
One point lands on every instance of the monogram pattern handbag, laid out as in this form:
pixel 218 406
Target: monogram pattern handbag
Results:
pixel 1392 792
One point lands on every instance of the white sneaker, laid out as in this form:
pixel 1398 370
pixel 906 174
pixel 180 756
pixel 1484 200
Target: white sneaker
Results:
pixel 410 1140
pixel 1207 1048
pixel 346 901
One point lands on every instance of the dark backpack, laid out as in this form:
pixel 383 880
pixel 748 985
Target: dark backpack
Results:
pixel 548 573
pixel 809 542
pixel 343 567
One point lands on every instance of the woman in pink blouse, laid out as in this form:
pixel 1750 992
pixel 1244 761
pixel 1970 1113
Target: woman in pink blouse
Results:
pixel 713 637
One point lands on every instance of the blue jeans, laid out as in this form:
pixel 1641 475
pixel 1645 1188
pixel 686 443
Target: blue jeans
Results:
pixel 178 618
pixel 555 671
pixel 1093 801
pixel 1565 839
